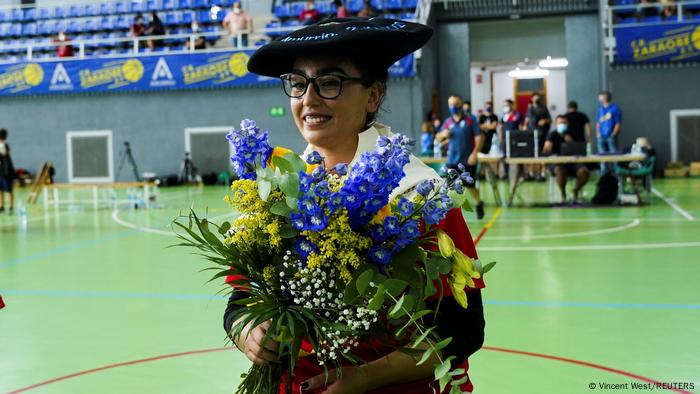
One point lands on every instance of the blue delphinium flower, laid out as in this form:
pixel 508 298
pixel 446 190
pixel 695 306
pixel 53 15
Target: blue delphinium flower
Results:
pixel 321 190
pixel 380 255
pixel 424 188
pixel 319 174
pixel 336 201
pixel 317 220
pixel 305 181
pixel 314 158
pixel 307 204
pixel 298 221
pixel 303 247
pixel 405 207
pixel 250 147
pixel 341 169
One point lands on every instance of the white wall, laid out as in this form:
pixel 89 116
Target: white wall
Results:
pixel 556 92
pixel 502 89
pixel 480 92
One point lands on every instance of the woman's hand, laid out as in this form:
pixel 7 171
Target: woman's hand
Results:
pixel 250 342
pixel 353 380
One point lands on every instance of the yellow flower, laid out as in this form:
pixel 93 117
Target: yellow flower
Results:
pixel 445 244
pixel 463 273
pixel 269 273
pixel 278 152
pixel 311 167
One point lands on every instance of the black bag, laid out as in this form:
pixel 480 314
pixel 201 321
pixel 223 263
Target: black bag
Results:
pixel 606 190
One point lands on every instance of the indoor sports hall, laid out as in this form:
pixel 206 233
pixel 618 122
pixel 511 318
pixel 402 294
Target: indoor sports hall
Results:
pixel 585 131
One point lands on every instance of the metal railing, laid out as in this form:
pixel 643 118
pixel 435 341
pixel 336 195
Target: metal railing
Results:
pixel 484 9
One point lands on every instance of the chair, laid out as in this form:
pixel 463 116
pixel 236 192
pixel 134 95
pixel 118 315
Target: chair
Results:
pixel 45 13
pixel 200 4
pixel 122 22
pixel 412 4
pixel 107 8
pixel 60 26
pixel 76 11
pixel 122 7
pixel 91 10
pixel 393 4
pixel 17 15
pixel 106 23
pixel 642 173
pixel 187 17
pixel 173 18
pixel 60 12
pixel 204 16
pixel 184 4
pixel 154 5
pixel 29 29
pixel 30 14
pixel 74 27
pixel 15 30
pixel 169 4
pixel 138 6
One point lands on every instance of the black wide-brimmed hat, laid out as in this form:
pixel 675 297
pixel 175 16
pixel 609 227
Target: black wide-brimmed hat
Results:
pixel 377 40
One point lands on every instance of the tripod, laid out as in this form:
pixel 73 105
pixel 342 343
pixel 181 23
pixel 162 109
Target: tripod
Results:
pixel 188 171
pixel 124 155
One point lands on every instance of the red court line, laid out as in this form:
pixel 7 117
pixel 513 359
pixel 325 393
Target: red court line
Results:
pixel 491 348
pixel 585 364
pixel 488 225
pixel 117 365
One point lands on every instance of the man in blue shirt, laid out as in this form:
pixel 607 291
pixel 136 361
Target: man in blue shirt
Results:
pixel 607 126
pixel 464 140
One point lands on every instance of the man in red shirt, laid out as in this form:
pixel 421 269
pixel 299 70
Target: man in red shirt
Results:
pixel 64 48
pixel 310 14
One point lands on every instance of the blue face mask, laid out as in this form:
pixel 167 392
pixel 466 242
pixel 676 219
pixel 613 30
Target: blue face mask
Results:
pixel 454 110
pixel 561 128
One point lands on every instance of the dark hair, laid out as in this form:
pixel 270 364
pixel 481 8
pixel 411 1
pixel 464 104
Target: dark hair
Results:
pixel 3 134
pixel 467 102
pixel 509 101
pixel 371 73
pixel 338 3
pixel 573 105
pixel 562 117
pixel 607 94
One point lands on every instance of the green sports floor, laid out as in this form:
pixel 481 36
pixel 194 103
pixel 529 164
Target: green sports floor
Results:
pixel 97 303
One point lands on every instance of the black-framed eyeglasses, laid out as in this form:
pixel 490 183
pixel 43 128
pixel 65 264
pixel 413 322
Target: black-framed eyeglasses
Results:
pixel 328 86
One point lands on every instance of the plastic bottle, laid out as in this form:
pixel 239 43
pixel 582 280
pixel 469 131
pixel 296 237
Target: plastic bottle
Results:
pixel 22 214
pixel 589 149
pixel 437 150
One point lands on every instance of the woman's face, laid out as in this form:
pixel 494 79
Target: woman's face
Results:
pixel 328 123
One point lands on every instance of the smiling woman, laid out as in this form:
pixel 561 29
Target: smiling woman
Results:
pixel 335 74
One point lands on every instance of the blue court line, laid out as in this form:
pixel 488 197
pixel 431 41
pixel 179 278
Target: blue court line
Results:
pixel 66 248
pixel 176 296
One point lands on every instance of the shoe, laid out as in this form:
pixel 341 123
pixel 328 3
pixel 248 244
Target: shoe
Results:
pixel 2 209
pixel 480 210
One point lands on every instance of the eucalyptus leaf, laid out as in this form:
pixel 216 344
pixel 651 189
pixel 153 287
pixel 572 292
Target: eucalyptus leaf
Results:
pixel 363 281
pixel 378 300
pixel 264 189
pixel 280 208
pixel 489 266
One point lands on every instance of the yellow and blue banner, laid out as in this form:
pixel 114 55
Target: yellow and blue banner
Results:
pixel 144 73
pixel 662 43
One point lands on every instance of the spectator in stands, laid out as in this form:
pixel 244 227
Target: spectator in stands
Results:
pixel 199 41
pixel 367 10
pixel 608 125
pixel 538 121
pixel 467 107
pixel 552 146
pixel 309 15
pixel 509 123
pixel 7 172
pixel 138 28
pixel 647 9
pixel 341 11
pixel 668 9
pixel 64 46
pixel 428 131
pixel 155 28
pixel 238 23
pixel 578 123
pixel 464 140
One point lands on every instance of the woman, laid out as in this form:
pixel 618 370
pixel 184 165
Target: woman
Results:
pixel 7 172
pixel 336 91
pixel 341 11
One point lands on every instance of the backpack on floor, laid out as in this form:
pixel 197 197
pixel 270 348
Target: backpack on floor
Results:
pixel 606 190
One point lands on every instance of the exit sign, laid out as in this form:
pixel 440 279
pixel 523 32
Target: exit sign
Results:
pixel 277 112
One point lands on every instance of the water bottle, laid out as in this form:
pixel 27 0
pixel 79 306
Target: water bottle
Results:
pixel 22 214
pixel 113 199
pixel 589 149
pixel 437 150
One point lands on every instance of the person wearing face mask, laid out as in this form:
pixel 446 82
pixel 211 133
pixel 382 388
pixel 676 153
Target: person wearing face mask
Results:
pixel 464 140
pixel 467 107
pixel 488 123
pixel 199 41
pixel 538 121
pixel 238 24
pixel 552 146
pixel 608 126
pixel 64 48
pixel 309 15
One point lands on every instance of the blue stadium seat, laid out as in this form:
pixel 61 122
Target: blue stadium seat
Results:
pixel 355 5
pixel 378 4
pixel 106 23
pixel 624 2
pixel 187 17
pixel 74 26
pixel 15 30
pixel 60 26
pixel 393 5
pixel 296 9
pixel 225 3
pixel 281 11
pixel 204 16
pixel 169 4
pixel 91 10
pixel 76 11
pixel 651 19
pixel 200 4
pixel 122 7
pixel 692 7
pixel 46 13
pixel 407 16
pixel 30 14
pixel 17 15
pixel 29 29
pixel 4 16
pixel 91 25
pixel 184 4
pixel 220 15
pixel 410 4
pixel 626 21
pixel 137 6
pixel 122 22
pixel 45 27
pixel 323 8
pixel 60 12
pixel 4 29
pixel 154 5
pixel 107 8
pixel 92 44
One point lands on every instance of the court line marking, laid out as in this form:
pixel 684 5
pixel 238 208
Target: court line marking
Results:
pixel 673 204
pixel 487 348
pixel 632 224
pixel 589 247
pixel 120 221
pixel 195 297
pixel 488 225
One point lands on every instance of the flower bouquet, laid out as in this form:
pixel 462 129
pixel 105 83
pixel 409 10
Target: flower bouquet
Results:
pixel 330 258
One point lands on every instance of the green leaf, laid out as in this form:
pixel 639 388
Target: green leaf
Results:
pixel 280 208
pixel 298 164
pixel 378 300
pixel 488 267
pixel 395 286
pixel 457 372
pixel 225 226
pixel 283 164
pixel 288 231
pixel 398 311
pixel 444 380
pixel 363 281
pixel 443 369
pixel 441 345
pixel 292 202
pixel 422 337
pixel 289 184
pixel 426 356
pixel 264 189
